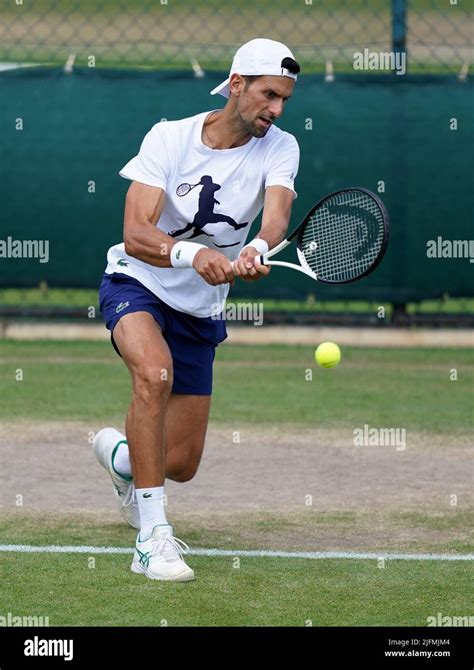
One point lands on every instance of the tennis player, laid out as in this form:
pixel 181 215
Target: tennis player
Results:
pixel 204 178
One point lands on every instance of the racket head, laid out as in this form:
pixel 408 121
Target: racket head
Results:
pixel 183 189
pixel 344 236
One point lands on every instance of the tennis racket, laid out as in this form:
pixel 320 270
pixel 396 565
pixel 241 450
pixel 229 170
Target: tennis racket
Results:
pixel 183 189
pixel 341 239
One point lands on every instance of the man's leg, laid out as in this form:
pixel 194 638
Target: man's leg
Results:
pixel 148 358
pixel 185 420
pixel 185 430
pixel 185 433
pixel 138 337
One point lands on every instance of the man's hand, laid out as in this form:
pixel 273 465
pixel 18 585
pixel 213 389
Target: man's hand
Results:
pixel 213 267
pixel 246 267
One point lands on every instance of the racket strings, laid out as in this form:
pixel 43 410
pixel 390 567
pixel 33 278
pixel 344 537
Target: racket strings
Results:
pixel 183 189
pixel 343 238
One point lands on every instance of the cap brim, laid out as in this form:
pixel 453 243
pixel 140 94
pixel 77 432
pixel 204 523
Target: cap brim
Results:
pixel 222 89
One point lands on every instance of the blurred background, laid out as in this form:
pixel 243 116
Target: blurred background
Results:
pixel 82 82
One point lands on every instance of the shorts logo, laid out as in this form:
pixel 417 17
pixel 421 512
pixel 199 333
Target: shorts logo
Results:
pixel 121 306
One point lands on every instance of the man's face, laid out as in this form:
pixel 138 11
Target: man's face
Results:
pixel 262 102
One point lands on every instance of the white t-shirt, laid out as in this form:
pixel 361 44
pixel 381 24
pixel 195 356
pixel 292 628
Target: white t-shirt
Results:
pixel 218 212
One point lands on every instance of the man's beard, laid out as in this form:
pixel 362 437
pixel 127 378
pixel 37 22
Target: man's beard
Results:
pixel 253 129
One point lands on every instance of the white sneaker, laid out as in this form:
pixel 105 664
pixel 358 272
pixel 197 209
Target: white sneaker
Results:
pixel 160 557
pixel 104 446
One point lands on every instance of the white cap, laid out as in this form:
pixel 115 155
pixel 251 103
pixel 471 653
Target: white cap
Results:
pixel 258 57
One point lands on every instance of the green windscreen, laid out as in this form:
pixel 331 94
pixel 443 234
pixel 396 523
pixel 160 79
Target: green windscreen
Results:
pixel 409 139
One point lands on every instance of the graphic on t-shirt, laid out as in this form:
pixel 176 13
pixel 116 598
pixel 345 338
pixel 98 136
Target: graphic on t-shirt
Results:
pixel 205 213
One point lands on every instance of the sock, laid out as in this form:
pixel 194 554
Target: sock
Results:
pixel 152 510
pixel 121 460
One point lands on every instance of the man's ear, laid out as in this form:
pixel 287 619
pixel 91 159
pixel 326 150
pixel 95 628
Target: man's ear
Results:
pixel 236 84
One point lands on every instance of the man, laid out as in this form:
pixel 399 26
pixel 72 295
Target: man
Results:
pixel 160 290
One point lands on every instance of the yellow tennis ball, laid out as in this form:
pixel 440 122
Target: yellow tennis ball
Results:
pixel 327 355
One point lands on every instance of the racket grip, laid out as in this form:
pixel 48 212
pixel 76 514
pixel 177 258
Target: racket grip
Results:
pixel 259 259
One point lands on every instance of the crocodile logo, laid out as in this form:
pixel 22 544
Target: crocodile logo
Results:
pixel 122 306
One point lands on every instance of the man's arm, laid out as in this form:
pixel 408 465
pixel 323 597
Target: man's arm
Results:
pixel 275 220
pixel 276 214
pixel 143 207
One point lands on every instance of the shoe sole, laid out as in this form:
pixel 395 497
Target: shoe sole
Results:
pixel 99 454
pixel 102 457
pixel 182 577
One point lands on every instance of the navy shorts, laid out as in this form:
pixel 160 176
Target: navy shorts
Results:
pixel 192 340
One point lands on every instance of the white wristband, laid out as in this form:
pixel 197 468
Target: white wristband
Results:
pixel 260 245
pixel 182 254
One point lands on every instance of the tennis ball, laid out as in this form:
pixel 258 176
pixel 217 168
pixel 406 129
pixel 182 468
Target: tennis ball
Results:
pixel 327 355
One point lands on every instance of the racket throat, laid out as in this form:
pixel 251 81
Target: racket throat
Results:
pixel 293 266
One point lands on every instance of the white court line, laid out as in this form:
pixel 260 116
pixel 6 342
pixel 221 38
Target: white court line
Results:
pixel 58 549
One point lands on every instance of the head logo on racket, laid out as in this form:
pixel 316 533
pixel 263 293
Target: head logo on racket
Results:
pixel 341 239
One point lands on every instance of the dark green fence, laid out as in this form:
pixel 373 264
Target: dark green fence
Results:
pixel 59 181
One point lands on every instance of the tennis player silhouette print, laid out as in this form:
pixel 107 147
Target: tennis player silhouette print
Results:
pixel 206 214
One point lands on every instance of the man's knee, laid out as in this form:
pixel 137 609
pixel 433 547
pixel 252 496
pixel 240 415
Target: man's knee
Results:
pixel 184 467
pixel 184 475
pixel 152 382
